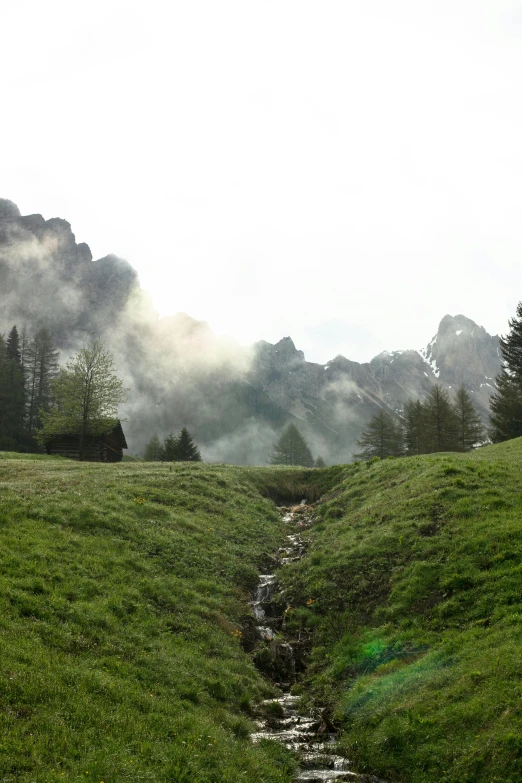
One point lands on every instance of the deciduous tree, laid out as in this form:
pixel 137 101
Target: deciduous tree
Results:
pixel 86 397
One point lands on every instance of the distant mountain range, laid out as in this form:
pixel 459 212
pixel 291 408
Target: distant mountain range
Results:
pixel 235 401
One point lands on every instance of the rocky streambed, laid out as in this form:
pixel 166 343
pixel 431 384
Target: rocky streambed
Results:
pixel 311 736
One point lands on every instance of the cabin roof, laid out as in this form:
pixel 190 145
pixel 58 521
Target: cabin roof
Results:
pixel 117 431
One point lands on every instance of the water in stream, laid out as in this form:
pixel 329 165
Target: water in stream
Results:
pixel 310 737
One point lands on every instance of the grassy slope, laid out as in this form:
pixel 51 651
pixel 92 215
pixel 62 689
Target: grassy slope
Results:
pixel 415 576
pixel 122 589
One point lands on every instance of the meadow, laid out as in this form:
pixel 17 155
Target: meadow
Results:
pixel 410 599
pixel 123 589
pixel 124 617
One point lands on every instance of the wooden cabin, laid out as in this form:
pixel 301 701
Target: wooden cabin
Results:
pixel 97 448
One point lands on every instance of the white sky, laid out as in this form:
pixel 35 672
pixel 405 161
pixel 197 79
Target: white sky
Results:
pixel 346 172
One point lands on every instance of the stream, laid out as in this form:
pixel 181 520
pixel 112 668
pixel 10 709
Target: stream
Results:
pixel 311 737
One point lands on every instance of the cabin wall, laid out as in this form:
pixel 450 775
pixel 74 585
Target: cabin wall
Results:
pixel 95 450
pixel 113 449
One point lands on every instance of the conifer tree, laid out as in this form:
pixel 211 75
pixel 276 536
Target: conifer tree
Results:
pixel 153 450
pixel 6 440
pixel 470 426
pixel 414 427
pixel 24 344
pixel 320 463
pixel 506 403
pixel 506 409
pixel 13 345
pixel 41 367
pixel 170 448
pixel 441 424
pixel 291 449
pixel 383 438
pixel 15 390
pixel 187 451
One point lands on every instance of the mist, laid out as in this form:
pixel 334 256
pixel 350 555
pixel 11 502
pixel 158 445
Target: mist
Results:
pixel 235 400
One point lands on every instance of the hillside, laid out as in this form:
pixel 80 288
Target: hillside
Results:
pixel 234 400
pixel 410 599
pixel 124 617
pixel 123 592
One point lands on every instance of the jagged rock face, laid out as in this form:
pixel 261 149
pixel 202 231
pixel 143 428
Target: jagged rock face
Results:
pixel 8 208
pixel 50 280
pixel 464 353
pixel 402 375
pixel 332 404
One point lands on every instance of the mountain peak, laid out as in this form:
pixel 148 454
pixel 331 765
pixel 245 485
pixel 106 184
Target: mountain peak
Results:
pixel 8 209
pixel 458 325
pixel 286 349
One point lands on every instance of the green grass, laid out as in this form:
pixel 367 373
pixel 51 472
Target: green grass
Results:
pixel 414 584
pixel 123 593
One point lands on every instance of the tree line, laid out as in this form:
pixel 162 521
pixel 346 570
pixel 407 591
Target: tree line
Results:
pixel 441 425
pixel 28 367
pixel 437 424
pixel 180 448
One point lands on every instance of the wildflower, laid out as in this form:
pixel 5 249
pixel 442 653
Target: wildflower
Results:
pixel 310 601
pixel 139 500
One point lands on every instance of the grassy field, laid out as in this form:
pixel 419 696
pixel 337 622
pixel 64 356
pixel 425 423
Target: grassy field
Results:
pixel 411 599
pixel 123 590
pixel 123 615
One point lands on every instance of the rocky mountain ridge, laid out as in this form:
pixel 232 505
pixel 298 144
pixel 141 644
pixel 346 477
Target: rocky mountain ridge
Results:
pixel 339 398
pixel 235 401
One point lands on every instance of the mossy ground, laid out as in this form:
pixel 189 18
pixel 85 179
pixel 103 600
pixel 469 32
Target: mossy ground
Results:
pixel 411 595
pixel 122 593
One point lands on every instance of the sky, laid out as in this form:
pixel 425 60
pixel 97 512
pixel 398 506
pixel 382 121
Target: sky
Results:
pixel 345 172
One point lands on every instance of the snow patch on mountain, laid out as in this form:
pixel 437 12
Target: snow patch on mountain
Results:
pixel 425 354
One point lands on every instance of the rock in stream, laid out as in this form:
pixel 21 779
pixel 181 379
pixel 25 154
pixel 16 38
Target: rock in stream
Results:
pixel 309 737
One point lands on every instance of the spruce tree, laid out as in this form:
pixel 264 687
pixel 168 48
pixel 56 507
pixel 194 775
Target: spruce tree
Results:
pixel 6 441
pixel 41 368
pixel 153 450
pixel 414 427
pixel 470 426
pixel 13 345
pixel 506 409
pixel 506 403
pixel 383 438
pixel 170 448
pixel 187 451
pixel 320 463
pixel 15 391
pixel 511 346
pixel 291 449
pixel 441 424
pixel 24 344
